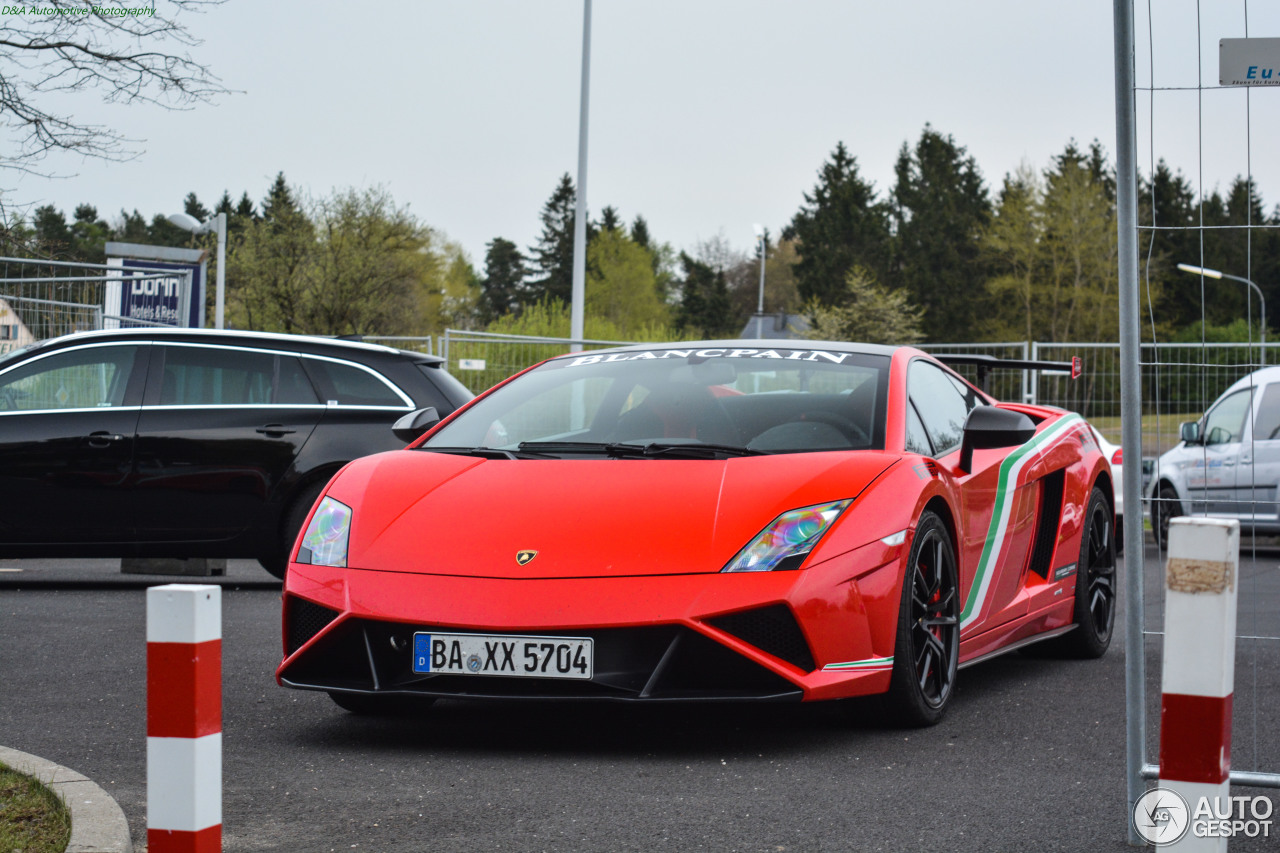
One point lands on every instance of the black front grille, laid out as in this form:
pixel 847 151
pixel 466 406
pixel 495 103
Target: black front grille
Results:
pixel 653 663
pixel 771 629
pixel 305 619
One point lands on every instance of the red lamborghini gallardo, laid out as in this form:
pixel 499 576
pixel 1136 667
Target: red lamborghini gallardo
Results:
pixel 723 520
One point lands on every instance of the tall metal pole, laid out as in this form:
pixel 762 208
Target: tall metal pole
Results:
pixel 1263 301
pixel 760 305
pixel 1130 408
pixel 576 309
pixel 220 312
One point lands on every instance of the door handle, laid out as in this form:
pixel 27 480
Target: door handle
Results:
pixel 102 438
pixel 1228 463
pixel 275 430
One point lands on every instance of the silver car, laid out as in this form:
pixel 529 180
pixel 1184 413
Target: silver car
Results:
pixel 1227 464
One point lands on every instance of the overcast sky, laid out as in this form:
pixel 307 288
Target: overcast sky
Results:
pixel 706 115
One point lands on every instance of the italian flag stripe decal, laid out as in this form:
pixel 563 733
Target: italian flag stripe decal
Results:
pixel 869 663
pixel 1010 469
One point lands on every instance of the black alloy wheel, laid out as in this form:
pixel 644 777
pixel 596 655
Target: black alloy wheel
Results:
pixel 1165 508
pixel 928 642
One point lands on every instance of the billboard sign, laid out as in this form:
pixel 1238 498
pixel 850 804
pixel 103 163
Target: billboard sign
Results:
pixel 1249 62
pixel 140 294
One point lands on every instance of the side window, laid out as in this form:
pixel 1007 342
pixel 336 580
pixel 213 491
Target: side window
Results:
pixel 1224 423
pixel 88 378
pixel 208 376
pixel 1267 425
pixel 349 385
pixel 941 404
pixel 917 438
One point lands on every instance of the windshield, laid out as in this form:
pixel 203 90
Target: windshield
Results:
pixel 732 401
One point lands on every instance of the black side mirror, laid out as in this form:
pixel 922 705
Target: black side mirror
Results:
pixel 990 426
pixel 1189 432
pixel 413 425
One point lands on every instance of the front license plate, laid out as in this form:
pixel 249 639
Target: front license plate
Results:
pixel 500 654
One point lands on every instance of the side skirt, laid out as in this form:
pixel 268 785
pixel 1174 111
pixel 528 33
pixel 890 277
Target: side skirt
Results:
pixel 1012 647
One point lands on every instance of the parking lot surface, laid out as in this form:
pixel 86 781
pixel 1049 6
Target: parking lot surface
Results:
pixel 1030 755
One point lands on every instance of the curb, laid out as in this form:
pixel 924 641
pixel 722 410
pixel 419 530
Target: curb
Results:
pixel 97 823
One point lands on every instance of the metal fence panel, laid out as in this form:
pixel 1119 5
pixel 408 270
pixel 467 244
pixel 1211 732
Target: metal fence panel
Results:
pixel 480 360
pixel 24 321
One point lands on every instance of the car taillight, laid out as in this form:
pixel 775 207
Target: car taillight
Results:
pixel 1117 458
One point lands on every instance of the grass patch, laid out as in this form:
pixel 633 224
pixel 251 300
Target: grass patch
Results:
pixel 32 818
pixel 1156 438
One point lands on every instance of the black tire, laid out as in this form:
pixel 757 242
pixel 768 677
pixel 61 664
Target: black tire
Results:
pixel 927 650
pixel 367 704
pixel 1165 507
pixel 1095 601
pixel 277 563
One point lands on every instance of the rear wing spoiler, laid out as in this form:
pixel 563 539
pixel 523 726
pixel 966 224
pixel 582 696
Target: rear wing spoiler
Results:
pixel 986 363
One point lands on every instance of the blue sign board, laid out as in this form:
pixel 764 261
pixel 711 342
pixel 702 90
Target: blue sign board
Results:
pixel 161 300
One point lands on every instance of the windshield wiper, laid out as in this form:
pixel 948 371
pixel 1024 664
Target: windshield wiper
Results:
pixel 648 450
pixel 556 447
pixel 488 452
pixel 688 450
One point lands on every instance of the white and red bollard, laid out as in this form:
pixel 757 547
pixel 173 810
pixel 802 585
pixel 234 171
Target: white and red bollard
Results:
pixel 1199 665
pixel 184 719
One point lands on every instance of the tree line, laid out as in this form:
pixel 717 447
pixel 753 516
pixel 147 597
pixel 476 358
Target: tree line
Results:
pixel 938 257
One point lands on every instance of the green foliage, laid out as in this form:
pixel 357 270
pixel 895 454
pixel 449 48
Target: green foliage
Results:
pixel 621 287
pixel 841 225
pixel 503 281
pixel 552 255
pixel 1052 250
pixel 356 263
pixel 550 319
pixel 705 309
pixel 32 818
pixel 940 210
pixel 867 312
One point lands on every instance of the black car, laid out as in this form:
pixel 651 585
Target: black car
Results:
pixel 192 443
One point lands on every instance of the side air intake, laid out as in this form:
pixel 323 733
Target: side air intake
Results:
pixel 304 619
pixel 771 629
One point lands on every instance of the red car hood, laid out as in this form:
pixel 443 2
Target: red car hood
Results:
pixel 438 513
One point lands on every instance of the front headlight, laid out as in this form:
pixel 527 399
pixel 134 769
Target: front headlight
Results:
pixel 787 540
pixel 325 542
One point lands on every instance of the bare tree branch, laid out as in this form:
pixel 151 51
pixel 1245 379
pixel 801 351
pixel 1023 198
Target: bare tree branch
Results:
pixel 130 53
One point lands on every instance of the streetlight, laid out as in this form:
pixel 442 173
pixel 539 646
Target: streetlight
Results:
pixel 195 226
pixel 759 229
pixel 1215 274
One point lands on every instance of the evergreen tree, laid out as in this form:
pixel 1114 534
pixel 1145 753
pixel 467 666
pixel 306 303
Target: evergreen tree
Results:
pixel 280 209
pixel 552 255
pixel 609 219
pixel 52 233
pixel 89 235
pixel 704 300
pixel 840 225
pixel 503 280
pixel 245 209
pixel 640 232
pixel 192 206
pixel 133 228
pixel 940 210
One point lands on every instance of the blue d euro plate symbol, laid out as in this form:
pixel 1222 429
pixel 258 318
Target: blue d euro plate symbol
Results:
pixel 421 652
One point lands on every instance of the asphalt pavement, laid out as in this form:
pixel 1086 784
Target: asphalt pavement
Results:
pixel 1031 754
